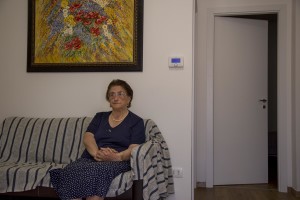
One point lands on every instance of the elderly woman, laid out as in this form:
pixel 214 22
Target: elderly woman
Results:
pixel 108 140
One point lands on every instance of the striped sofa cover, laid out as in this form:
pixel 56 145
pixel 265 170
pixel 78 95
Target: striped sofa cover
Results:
pixel 30 147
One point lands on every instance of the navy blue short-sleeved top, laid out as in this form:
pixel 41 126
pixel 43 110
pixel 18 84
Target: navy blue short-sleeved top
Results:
pixel 130 131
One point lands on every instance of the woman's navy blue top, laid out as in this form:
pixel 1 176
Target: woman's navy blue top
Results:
pixel 130 131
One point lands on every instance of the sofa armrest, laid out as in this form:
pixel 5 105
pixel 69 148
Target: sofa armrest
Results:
pixel 138 155
pixel 151 163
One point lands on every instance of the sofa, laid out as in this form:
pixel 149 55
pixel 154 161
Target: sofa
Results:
pixel 31 147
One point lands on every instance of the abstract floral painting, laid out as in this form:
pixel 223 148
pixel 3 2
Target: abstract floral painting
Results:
pixel 85 35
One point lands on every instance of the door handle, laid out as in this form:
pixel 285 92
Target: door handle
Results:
pixel 263 100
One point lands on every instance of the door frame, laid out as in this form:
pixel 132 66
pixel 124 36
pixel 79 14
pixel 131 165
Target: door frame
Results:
pixel 283 86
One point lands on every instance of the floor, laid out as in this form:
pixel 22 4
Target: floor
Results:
pixel 242 192
pixel 24 198
pixel 233 192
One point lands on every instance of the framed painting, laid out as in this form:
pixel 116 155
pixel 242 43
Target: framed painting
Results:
pixel 85 36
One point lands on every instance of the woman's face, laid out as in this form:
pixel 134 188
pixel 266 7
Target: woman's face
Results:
pixel 118 98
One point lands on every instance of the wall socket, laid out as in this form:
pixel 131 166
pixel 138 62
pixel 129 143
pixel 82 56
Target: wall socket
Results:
pixel 177 172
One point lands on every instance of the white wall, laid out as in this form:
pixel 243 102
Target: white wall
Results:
pixel 159 93
pixel 202 116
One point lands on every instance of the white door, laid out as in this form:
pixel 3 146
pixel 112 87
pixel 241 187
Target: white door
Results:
pixel 240 118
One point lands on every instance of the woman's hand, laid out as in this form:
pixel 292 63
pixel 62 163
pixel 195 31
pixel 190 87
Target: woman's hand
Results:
pixel 107 154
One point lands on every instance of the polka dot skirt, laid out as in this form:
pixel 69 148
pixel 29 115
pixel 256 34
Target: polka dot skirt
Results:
pixel 86 177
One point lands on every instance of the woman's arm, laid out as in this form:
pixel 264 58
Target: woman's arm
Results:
pixel 125 155
pixel 90 144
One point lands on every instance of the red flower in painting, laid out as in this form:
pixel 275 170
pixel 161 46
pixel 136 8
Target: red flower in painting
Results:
pixel 100 19
pixel 68 46
pixel 92 15
pixel 87 21
pixel 75 6
pixel 95 31
pixel 87 16
pixel 54 2
pixel 103 18
pixel 75 43
pixel 78 16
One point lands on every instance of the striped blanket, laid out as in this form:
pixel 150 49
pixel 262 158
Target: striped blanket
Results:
pixel 151 162
pixel 30 147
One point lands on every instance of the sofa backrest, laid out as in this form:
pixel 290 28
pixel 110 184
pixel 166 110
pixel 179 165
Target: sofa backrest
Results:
pixel 57 140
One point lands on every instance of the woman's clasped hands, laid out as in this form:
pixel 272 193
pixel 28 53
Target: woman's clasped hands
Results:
pixel 107 154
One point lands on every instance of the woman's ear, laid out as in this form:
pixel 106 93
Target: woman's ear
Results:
pixel 129 102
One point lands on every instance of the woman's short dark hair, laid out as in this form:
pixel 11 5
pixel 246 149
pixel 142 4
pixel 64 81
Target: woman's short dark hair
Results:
pixel 124 85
